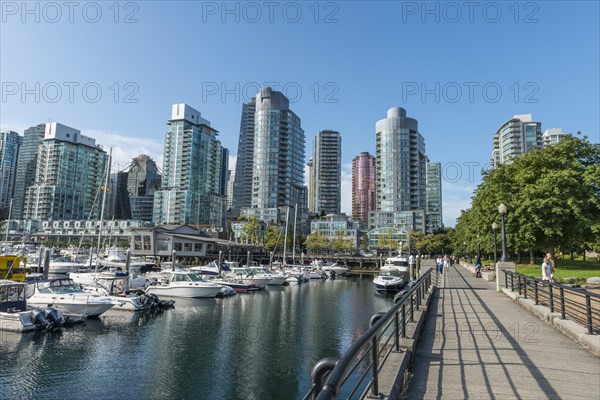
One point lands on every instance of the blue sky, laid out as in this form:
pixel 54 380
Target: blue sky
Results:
pixel 461 69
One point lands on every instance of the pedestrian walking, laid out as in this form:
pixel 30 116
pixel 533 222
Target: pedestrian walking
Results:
pixel 548 269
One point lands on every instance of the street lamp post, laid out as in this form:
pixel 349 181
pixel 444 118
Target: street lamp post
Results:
pixel 502 211
pixel 494 227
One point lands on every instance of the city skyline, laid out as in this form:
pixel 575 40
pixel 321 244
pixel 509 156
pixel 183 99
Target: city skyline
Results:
pixel 442 87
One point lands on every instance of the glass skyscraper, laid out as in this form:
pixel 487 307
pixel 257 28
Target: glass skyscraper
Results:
pixel 242 185
pixel 10 142
pixel 433 211
pixel 363 186
pixel 518 135
pixel 191 191
pixel 70 171
pixel 400 173
pixel 326 173
pixel 26 164
pixel 278 160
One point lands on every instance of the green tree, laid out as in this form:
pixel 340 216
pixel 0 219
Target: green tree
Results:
pixel 316 242
pixel 364 242
pixel 250 230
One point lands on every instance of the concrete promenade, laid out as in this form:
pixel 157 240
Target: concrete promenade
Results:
pixel 479 344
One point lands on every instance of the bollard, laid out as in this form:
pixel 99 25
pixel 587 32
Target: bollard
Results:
pixel 318 372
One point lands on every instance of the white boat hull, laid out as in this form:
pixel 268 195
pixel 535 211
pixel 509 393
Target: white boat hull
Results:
pixel 190 291
pixel 72 306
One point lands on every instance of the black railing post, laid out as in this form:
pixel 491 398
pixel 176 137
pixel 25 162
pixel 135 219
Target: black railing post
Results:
pixel 588 309
pixel 512 277
pixel 404 319
pixel 412 307
pixel 519 283
pixel 562 303
pixel 396 332
pixel 418 297
pixel 551 299
pixel 525 287
pixel 505 279
pixel 375 357
pixel 536 293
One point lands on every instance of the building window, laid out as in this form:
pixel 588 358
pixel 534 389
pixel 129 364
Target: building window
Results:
pixel 177 246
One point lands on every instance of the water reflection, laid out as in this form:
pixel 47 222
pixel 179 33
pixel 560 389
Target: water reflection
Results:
pixel 250 346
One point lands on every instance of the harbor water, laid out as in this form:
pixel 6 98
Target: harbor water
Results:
pixel 250 346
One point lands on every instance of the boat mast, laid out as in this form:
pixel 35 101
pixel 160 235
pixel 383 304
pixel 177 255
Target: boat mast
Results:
pixel 105 188
pixel 287 217
pixel 294 240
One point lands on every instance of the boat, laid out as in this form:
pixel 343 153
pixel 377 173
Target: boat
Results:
pixel 338 269
pixel 68 298
pixel 63 265
pixel 212 269
pixel 238 285
pixel 398 264
pixel 275 278
pixel 116 287
pixel 182 284
pixel 14 315
pixel 388 282
pixel 87 277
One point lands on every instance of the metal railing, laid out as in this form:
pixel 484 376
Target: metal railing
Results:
pixel 365 358
pixel 580 305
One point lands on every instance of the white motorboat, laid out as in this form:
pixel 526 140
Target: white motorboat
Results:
pixel 14 315
pixel 338 269
pixel 68 298
pixel 116 287
pixel 276 279
pixel 182 284
pixel 63 265
pixel 388 282
pixel 88 277
pixel 244 274
pixel 212 269
pixel 398 264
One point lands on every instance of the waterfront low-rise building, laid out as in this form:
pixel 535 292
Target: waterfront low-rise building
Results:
pixel 338 226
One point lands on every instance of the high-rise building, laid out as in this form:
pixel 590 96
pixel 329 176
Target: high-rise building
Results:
pixel 324 185
pixel 518 135
pixel 400 172
pixel 552 136
pixel 242 186
pixel 311 185
pixel 10 142
pixel 433 210
pixel 26 165
pixel 278 167
pixel 230 182
pixel 363 186
pixel 135 189
pixel 190 191
pixel 70 172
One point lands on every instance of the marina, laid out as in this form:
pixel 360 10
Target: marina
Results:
pixel 258 345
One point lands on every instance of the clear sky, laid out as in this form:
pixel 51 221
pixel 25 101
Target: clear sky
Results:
pixel 461 69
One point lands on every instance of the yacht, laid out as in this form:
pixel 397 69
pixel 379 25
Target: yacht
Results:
pixel 388 282
pixel 212 269
pixel 14 315
pixel 338 269
pixel 276 279
pixel 398 264
pixel 246 276
pixel 182 284
pixel 116 287
pixel 68 298
pixel 63 265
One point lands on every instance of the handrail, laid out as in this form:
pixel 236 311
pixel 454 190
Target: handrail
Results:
pixel 585 312
pixel 336 370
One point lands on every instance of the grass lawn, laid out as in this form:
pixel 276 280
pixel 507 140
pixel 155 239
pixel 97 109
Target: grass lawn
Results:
pixel 564 268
